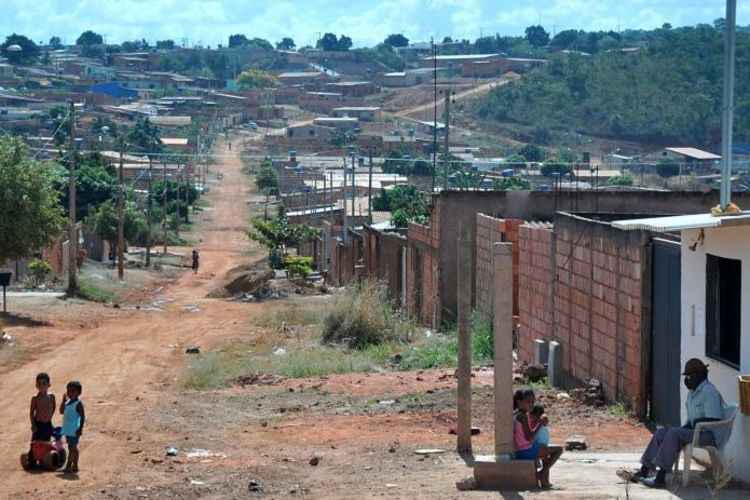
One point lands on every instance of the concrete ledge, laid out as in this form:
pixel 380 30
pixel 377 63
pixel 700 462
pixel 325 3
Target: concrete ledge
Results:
pixel 493 474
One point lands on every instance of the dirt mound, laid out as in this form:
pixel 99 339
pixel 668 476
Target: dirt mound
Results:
pixel 243 280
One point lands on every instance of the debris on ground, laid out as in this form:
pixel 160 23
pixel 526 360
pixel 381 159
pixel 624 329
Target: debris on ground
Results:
pixel 5 338
pixel 576 442
pixel 535 373
pixel 171 451
pixel 193 349
pixel 255 486
pixel 430 451
pixel 201 453
pixel 241 280
pixel 257 379
pixel 314 461
pixel 591 394
pixel 279 351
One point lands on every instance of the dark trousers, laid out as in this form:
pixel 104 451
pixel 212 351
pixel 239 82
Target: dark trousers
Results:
pixel 666 444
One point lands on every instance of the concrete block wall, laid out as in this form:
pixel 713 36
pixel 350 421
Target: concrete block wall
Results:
pixel 535 286
pixel 491 230
pixel 423 273
pixel 583 285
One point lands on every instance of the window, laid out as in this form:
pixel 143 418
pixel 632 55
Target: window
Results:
pixel 723 309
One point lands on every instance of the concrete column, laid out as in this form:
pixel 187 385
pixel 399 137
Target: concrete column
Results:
pixel 465 281
pixel 502 266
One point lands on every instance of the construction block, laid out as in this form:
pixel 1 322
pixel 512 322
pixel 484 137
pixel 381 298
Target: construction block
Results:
pixel 515 475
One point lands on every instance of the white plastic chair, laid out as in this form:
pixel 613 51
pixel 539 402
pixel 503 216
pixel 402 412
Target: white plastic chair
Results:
pixel 716 453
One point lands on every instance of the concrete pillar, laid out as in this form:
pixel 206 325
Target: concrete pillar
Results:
pixel 465 281
pixel 541 351
pixel 553 364
pixel 502 266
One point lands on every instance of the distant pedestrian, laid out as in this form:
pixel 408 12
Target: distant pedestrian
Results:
pixel 196 261
pixel 74 417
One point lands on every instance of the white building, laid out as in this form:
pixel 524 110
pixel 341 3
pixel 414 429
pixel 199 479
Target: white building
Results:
pixel 715 302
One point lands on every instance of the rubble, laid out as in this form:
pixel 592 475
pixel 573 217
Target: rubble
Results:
pixel 193 349
pixel 592 394
pixel 576 442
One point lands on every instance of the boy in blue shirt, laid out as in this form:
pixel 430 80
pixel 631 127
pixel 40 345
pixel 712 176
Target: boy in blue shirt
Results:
pixel 74 417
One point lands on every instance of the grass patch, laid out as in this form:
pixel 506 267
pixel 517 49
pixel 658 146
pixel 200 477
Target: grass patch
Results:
pixel 291 315
pixel 620 410
pixel 364 316
pixel 88 290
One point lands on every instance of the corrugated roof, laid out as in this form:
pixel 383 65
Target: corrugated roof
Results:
pixel 683 222
pixel 695 153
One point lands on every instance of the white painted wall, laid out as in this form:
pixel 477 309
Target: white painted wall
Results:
pixel 734 243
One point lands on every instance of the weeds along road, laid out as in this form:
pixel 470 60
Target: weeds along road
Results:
pixel 129 362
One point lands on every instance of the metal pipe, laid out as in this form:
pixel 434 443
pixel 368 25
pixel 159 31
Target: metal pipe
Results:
pixel 727 117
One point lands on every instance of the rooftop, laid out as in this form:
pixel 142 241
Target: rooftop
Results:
pixel 682 222
pixel 694 153
pixel 300 74
pixel 461 57
pixel 357 108
pixel 174 141
pixel 348 84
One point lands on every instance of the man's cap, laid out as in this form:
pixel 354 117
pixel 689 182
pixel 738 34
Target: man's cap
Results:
pixel 695 365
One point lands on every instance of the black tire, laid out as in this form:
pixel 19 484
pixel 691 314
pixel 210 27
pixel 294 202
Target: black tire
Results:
pixel 25 463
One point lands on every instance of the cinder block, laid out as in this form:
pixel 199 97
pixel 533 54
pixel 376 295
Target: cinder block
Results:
pixel 515 475
pixel 541 349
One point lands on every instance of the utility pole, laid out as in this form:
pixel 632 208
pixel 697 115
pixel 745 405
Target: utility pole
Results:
pixel 121 215
pixel 369 189
pixel 178 201
pixel 434 116
pixel 447 135
pixel 727 116
pixel 164 204
pixel 148 215
pixel 343 195
pixel 72 233
pixel 187 195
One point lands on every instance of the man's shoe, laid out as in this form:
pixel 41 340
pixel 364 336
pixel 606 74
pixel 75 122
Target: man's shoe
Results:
pixel 653 482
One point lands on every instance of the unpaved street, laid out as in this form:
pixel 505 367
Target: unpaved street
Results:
pixel 127 360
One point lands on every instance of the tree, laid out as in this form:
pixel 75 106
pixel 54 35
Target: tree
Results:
pixel 565 39
pixel 555 168
pixel 532 153
pixel 278 235
pixel 145 136
pixel 331 43
pixel 286 43
pixel 32 215
pixel 95 184
pixel 537 36
pixel 447 40
pixel 620 180
pixel 28 53
pixel 397 40
pixel 89 38
pixel 104 222
pixel 267 180
pixel 256 79
pixel 511 184
pixel 60 124
pixel 55 42
pixel 165 44
pixel 237 41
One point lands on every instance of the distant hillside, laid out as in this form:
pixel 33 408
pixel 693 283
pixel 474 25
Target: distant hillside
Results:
pixel 669 91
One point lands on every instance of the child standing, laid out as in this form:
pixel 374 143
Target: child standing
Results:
pixel 74 418
pixel 42 409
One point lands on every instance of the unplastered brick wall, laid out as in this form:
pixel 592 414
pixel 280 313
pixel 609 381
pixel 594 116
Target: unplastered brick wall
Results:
pixel 491 230
pixel 423 272
pixel 595 275
pixel 535 286
pixel 598 305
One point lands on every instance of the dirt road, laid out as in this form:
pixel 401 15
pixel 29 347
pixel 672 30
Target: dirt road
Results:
pixel 128 359
pixel 415 111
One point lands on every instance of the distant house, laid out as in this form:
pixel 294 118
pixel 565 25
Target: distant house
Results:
pixel 339 123
pixel 301 77
pixel 457 60
pixel 353 89
pixel 691 159
pixel 485 68
pixel 114 89
pixel 364 113
pixel 6 71
pixel 310 132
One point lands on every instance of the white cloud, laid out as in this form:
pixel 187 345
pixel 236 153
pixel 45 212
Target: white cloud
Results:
pixel 365 21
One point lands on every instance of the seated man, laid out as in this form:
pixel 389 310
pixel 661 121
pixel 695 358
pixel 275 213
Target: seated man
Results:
pixel 704 404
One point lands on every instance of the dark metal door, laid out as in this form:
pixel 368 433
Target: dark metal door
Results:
pixel 665 333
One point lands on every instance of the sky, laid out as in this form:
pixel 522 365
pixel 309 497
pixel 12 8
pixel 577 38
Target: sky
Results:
pixel 367 22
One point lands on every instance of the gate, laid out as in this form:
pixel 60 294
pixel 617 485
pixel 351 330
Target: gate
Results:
pixel 665 333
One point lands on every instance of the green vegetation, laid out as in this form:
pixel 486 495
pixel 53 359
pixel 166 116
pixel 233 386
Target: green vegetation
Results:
pixel 365 316
pixel 88 290
pixel 104 222
pixel 620 180
pixel 267 180
pixel 256 79
pixel 511 184
pixel 406 203
pixel 669 91
pixel 278 235
pixel 28 53
pixel 39 271
pixel 297 265
pixel 330 42
pixel 29 203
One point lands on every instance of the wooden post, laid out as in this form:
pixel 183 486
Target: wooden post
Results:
pixel 72 233
pixel 148 215
pixel 164 205
pixel 369 189
pixel 121 215
pixel 465 280
pixel 502 266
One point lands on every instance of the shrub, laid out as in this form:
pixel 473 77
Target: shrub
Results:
pixel 364 316
pixel 620 180
pixel 39 270
pixel 298 266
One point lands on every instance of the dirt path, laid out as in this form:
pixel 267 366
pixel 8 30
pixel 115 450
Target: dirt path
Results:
pixel 459 96
pixel 127 360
